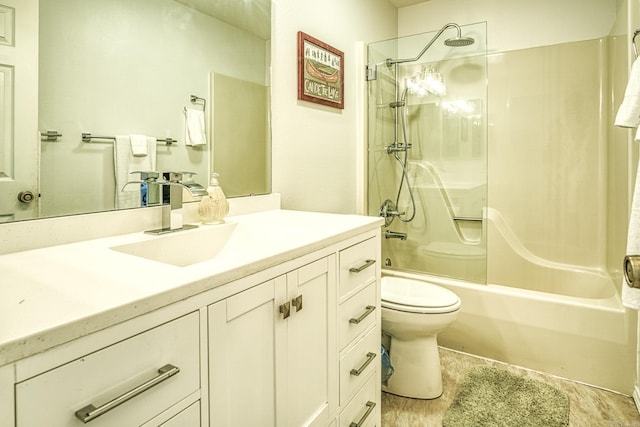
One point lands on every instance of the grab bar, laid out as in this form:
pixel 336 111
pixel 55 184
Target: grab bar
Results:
pixel 467 218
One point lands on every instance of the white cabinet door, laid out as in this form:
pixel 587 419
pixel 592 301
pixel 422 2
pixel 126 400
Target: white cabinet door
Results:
pixel 242 354
pixel 311 344
pixel 272 361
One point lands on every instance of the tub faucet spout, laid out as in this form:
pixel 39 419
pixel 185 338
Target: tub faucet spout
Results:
pixel 388 234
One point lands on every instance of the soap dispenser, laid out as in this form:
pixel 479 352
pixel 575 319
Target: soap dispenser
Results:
pixel 214 206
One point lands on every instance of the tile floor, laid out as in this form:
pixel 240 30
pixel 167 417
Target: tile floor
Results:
pixel 589 406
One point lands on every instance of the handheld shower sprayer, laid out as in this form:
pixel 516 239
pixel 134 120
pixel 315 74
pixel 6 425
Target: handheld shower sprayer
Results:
pixel 389 209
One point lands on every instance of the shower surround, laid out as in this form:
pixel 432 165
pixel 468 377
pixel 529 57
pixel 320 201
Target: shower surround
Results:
pixel 539 161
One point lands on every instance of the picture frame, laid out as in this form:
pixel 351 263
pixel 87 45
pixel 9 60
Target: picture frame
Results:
pixel 320 72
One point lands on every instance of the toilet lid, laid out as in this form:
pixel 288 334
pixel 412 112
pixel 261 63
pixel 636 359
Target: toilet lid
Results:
pixel 417 296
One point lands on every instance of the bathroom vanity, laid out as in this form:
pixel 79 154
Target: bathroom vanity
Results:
pixel 279 325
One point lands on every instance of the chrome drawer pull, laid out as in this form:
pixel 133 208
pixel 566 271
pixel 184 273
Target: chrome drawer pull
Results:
pixel 367 263
pixel 357 372
pixel 368 311
pixel 90 412
pixel 370 406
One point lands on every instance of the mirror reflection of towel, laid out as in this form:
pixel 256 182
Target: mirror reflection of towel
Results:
pixel 139 145
pixel 125 162
pixel 195 130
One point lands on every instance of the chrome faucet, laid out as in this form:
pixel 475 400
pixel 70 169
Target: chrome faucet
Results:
pixel 148 197
pixel 172 184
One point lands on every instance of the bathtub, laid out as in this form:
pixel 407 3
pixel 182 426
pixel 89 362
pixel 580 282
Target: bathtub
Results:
pixel 586 338
pixel 510 263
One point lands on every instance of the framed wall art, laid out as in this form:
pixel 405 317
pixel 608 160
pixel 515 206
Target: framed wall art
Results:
pixel 320 72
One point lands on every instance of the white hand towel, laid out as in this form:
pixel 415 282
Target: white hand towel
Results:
pixel 124 163
pixel 631 296
pixel 629 112
pixel 195 131
pixel 144 163
pixel 139 145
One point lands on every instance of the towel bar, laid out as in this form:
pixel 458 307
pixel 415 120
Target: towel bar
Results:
pixel 195 99
pixel 50 135
pixel 87 137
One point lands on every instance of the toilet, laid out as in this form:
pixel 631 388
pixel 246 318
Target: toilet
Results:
pixel 413 313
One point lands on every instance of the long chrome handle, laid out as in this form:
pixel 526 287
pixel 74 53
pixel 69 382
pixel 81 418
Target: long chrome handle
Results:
pixel 90 412
pixel 285 309
pixel 297 303
pixel 357 372
pixel 370 406
pixel 367 263
pixel 368 310
pixel 467 218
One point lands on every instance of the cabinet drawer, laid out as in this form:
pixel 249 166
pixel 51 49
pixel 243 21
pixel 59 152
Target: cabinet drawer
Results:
pixel 358 363
pixel 357 266
pixel 188 417
pixel 52 398
pixel 357 314
pixel 362 410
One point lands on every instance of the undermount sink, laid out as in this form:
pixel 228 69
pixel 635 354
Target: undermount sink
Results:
pixel 182 248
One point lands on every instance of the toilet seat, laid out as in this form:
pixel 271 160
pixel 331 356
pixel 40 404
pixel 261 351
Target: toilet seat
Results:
pixel 427 298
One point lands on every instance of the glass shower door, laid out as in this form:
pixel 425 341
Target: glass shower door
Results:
pixel 432 191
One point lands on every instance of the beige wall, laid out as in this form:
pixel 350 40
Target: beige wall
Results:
pixel 517 24
pixel 315 148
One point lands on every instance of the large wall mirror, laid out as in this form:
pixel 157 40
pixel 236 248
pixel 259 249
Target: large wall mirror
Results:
pixel 119 67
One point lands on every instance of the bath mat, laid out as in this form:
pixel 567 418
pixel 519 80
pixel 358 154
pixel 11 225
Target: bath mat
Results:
pixel 496 398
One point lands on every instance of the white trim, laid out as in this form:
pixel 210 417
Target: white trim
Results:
pixel 636 397
pixel 361 128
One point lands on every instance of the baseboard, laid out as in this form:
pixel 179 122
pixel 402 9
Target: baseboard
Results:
pixel 636 397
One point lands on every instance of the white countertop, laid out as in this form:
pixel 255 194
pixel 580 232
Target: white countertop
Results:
pixel 52 295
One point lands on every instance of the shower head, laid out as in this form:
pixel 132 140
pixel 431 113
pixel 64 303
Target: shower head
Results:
pixel 459 41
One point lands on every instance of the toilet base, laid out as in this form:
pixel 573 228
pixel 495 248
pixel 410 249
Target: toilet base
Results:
pixel 417 368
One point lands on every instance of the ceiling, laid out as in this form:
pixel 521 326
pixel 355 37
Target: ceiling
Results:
pixel 253 16
pixel 403 3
